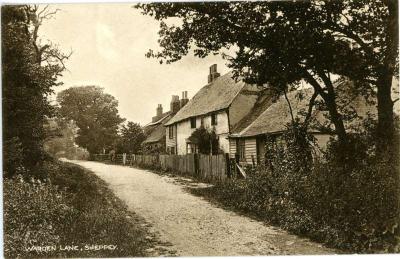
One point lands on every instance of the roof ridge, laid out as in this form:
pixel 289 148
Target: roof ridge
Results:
pixel 214 96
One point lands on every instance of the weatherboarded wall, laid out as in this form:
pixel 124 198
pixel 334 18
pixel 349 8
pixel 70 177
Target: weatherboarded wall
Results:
pixel 232 147
pixel 250 153
pixel 250 150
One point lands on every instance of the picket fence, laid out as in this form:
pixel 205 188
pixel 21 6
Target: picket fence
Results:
pixel 206 167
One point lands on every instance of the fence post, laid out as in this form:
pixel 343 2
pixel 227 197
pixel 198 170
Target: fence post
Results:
pixel 196 163
pixel 237 160
pixel 228 166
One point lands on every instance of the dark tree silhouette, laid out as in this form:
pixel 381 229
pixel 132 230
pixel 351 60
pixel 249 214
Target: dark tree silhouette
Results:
pixel 30 71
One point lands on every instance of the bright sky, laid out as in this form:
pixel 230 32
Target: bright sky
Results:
pixel 109 42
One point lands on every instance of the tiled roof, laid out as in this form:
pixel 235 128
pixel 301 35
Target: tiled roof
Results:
pixel 276 116
pixel 159 119
pixel 215 96
pixel 157 134
pixel 264 100
pixel 155 131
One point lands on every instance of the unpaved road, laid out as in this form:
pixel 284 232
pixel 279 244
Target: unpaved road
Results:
pixel 194 226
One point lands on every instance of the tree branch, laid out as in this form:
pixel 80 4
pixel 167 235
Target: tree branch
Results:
pixel 310 108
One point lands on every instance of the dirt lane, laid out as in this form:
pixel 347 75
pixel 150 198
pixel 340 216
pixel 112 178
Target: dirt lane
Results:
pixel 194 226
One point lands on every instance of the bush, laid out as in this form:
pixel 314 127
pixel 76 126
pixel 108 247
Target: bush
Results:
pixel 353 207
pixel 13 157
pixel 71 207
pixel 33 214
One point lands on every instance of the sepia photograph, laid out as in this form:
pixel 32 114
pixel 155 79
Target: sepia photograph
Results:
pixel 200 128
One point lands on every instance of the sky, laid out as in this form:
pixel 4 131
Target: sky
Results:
pixel 109 42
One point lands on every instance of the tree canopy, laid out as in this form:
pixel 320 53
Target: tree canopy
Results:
pixel 30 70
pixel 280 43
pixel 95 114
pixel 130 138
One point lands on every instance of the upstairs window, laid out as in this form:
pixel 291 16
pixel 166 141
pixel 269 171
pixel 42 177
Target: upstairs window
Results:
pixel 213 119
pixel 171 132
pixel 193 123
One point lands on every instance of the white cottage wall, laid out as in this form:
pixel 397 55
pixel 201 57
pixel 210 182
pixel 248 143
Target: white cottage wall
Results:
pixel 184 130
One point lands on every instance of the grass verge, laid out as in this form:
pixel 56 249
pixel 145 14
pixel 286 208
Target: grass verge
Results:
pixel 72 214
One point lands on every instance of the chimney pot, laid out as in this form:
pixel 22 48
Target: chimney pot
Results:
pixel 213 73
pixel 159 110
pixel 184 99
pixel 175 104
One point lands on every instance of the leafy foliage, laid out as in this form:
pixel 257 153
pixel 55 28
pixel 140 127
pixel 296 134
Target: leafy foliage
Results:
pixel 353 207
pixel 281 43
pixel 29 71
pixel 95 114
pixel 206 140
pixel 33 213
pixel 62 141
pixel 71 207
pixel 130 139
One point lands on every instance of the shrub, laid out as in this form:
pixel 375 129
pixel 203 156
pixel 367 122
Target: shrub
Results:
pixel 206 140
pixel 71 207
pixel 33 214
pixel 13 157
pixel 354 207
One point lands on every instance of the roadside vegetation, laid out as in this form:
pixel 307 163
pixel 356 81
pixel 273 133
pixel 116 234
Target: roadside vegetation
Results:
pixel 52 209
pixel 353 207
pixel 349 196
pixel 70 207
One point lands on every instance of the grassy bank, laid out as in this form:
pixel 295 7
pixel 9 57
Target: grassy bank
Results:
pixel 72 214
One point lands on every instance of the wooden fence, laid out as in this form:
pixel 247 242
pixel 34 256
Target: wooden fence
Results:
pixel 207 167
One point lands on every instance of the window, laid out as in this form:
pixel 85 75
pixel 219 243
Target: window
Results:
pixel 171 132
pixel 213 119
pixel 193 123
pixel 192 148
pixel 241 149
pixel 172 150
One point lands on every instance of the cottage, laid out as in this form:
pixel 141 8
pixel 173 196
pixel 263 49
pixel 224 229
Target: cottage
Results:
pixel 218 106
pixel 155 130
pixel 248 139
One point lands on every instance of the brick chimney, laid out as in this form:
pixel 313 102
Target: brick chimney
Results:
pixel 175 104
pixel 159 112
pixel 184 99
pixel 213 73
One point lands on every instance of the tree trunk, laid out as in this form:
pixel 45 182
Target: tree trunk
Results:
pixel 337 121
pixel 385 130
pixel 329 99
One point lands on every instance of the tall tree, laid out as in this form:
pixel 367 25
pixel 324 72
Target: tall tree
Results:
pixel 131 138
pixel 30 70
pixel 284 42
pixel 371 28
pixel 95 114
